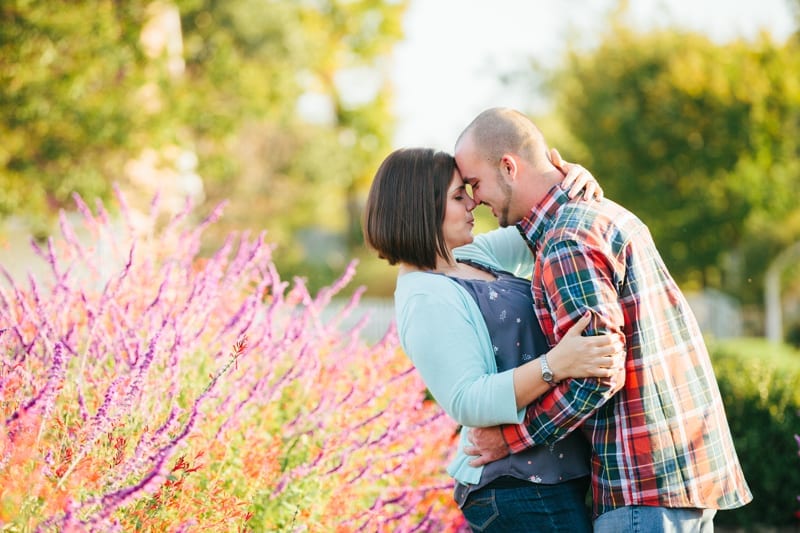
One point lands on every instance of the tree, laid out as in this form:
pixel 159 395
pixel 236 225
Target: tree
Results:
pixel 86 87
pixel 300 175
pixel 698 139
pixel 69 73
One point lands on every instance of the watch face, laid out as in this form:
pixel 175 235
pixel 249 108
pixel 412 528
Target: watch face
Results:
pixel 547 376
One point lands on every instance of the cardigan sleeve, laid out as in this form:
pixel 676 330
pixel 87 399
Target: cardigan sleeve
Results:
pixel 449 345
pixel 503 248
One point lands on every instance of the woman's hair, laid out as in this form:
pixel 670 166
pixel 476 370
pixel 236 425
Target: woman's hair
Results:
pixel 406 204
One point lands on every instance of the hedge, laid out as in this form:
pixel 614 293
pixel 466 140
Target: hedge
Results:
pixel 760 386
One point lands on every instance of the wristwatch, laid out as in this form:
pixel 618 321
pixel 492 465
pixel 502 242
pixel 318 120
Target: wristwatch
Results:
pixel 547 373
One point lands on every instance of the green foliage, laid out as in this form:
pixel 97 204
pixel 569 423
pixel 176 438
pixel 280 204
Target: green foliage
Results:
pixel 301 179
pixel 698 139
pixel 760 386
pixel 83 93
pixel 68 71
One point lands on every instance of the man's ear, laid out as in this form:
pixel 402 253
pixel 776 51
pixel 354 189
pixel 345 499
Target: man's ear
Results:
pixel 508 165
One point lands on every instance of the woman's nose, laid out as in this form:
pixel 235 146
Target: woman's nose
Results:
pixel 471 204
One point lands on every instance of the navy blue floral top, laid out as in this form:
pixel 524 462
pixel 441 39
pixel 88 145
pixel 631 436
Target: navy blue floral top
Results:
pixel 507 306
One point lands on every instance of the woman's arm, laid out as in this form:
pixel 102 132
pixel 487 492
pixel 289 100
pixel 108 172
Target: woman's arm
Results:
pixel 449 345
pixel 502 248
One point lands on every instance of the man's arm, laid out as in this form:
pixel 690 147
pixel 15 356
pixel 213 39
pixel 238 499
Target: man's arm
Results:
pixel 575 277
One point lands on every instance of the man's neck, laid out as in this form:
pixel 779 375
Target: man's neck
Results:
pixel 550 178
pixel 536 190
pixel 534 223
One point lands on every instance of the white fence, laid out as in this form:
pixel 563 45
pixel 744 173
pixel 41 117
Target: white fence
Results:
pixel 719 315
pixel 379 314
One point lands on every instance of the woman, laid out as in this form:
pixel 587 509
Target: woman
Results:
pixel 465 318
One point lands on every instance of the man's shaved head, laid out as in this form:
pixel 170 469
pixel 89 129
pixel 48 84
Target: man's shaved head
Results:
pixel 500 130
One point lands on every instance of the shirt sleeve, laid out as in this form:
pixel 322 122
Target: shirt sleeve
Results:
pixel 503 248
pixel 448 349
pixel 575 278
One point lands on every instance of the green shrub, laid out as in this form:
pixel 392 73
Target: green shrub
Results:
pixel 760 386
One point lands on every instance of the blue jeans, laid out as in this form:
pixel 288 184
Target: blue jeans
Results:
pixel 534 507
pixel 640 519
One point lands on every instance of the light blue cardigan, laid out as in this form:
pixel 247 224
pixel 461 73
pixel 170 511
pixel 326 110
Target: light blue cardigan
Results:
pixel 444 334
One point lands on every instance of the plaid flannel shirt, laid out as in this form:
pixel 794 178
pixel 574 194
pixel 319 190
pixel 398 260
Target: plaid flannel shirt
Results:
pixel 659 433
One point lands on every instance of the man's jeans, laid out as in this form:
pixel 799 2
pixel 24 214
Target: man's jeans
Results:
pixel 640 519
pixel 534 507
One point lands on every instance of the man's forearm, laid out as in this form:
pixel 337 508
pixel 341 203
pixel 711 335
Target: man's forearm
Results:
pixel 559 413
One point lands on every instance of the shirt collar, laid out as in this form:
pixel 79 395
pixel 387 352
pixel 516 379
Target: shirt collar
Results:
pixel 534 224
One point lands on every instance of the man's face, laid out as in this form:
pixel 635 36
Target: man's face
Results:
pixel 489 186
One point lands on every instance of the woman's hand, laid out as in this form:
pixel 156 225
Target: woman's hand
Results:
pixel 575 356
pixel 578 181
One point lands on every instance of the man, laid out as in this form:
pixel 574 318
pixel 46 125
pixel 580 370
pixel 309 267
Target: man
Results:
pixel 663 458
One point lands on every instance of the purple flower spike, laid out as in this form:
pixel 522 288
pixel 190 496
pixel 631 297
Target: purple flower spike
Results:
pixel 149 386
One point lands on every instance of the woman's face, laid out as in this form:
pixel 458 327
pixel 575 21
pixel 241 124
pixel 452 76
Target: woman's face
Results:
pixel 458 219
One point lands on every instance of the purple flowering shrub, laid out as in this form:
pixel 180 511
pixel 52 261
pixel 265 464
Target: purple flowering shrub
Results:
pixel 145 387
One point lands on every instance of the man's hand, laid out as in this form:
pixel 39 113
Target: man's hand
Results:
pixel 488 445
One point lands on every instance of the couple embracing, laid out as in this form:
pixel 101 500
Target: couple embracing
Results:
pixel 559 341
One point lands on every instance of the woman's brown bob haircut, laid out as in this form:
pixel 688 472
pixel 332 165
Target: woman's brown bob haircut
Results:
pixel 406 204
